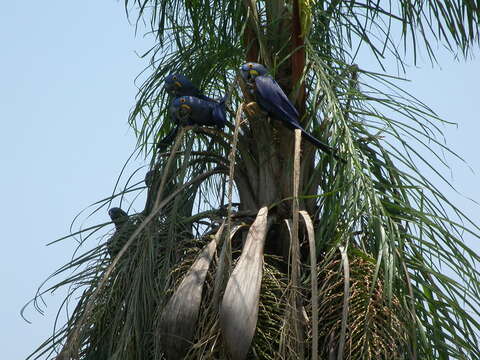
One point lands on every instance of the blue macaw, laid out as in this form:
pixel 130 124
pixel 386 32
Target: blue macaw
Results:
pixel 191 110
pixel 178 85
pixel 271 98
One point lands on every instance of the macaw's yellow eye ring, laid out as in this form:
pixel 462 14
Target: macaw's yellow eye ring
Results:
pixel 174 78
pixel 250 65
pixel 182 100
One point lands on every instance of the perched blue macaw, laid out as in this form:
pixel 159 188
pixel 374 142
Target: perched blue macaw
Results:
pixel 190 110
pixel 271 98
pixel 178 85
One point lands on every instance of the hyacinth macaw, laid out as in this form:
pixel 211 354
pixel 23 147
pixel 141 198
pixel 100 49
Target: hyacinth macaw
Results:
pixel 120 237
pixel 191 110
pixel 178 85
pixel 271 98
pixel 118 216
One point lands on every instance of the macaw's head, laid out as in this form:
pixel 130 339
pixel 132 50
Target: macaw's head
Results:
pixel 178 85
pixel 182 108
pixel 251 70
pixel 118 216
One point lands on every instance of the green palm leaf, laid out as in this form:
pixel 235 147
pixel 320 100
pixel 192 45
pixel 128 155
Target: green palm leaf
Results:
pixel 382 263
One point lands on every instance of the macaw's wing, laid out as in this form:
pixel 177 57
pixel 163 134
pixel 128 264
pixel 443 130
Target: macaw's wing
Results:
pixel 272 99
pixel 219 114
pixel 192 90
pixel 202 112
pixel 120 238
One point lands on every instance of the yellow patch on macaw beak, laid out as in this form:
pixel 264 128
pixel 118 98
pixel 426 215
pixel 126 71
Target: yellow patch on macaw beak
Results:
pixel 185 106
pixel 254 72
pixel 178 84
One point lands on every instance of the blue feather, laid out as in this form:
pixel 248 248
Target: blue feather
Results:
pixel 271 98
pixel 200 112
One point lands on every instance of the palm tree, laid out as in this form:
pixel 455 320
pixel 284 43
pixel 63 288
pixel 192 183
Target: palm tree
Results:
pixel 253 244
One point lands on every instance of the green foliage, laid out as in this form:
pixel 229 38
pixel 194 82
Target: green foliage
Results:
pixel 412 282
pixel 376 326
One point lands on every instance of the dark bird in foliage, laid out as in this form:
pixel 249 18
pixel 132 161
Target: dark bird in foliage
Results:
pixel 120 237
pixel 271 98
pixel 178 85
pixel 118 216
pixel 151 176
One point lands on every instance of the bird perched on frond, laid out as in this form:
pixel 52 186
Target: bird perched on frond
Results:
pixel 179 86
pixel 271 99
pixel 123 229
pixel 118 216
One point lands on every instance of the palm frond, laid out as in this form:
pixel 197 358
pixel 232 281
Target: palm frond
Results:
pixel 391 273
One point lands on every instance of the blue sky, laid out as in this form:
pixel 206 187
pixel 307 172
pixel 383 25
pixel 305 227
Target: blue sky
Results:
pixel 67 85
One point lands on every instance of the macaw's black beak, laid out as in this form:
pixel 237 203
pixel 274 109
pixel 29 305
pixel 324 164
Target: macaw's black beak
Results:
pixel 249 75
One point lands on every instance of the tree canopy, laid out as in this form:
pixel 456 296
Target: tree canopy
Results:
pixel 354 260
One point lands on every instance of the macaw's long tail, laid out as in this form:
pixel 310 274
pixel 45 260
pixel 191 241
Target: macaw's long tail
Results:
pixel 321 145
pixel 218 114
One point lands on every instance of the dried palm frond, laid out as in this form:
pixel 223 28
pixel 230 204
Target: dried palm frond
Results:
pixel 239 308
pixel 179 316
pixel 209 342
